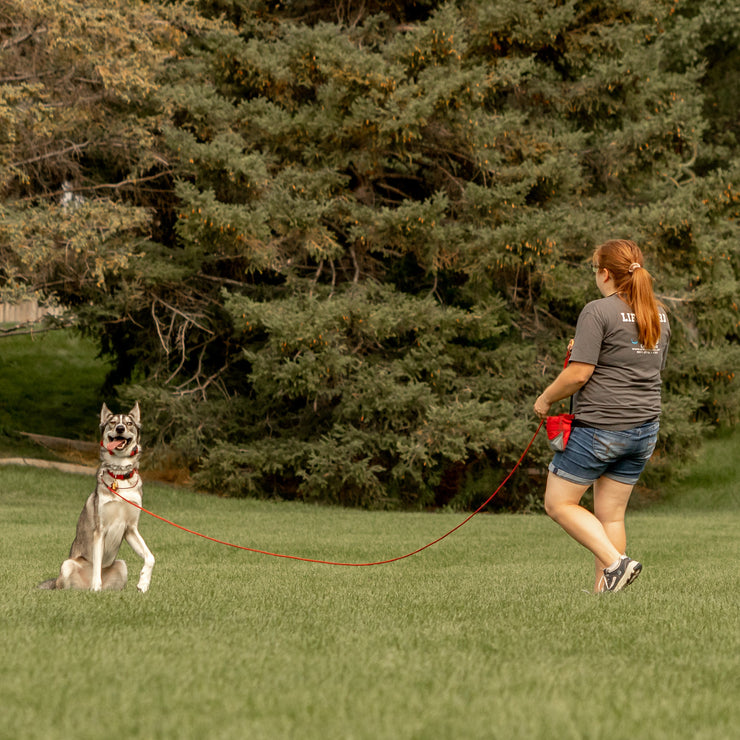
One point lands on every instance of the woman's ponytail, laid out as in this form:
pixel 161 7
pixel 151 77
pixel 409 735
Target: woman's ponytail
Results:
pixel 623 259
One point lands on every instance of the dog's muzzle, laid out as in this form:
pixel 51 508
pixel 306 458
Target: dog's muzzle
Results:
pixel 117 443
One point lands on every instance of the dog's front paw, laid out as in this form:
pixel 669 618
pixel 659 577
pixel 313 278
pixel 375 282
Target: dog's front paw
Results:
pixel 143 587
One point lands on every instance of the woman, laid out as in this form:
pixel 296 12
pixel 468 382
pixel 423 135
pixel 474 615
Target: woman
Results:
pixel 617 355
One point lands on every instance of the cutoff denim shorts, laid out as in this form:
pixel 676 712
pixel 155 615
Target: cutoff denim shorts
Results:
pixel 619 455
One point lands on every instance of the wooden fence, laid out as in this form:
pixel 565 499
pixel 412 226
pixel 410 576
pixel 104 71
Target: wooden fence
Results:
pixel 25 312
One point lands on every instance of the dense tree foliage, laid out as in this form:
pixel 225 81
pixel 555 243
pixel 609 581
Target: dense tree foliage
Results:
pixel 337 249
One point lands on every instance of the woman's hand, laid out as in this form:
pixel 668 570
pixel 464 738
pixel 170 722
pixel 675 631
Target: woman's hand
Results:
pixel 542 407
pixel 571 379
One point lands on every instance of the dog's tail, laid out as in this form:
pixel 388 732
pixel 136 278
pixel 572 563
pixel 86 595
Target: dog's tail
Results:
pixel 49 585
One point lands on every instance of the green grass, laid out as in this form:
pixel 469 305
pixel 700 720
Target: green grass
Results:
pixel 50 383
pixel 712 482
pixel 486 635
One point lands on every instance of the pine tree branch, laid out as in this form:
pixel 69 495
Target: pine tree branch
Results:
pixel 51 155
pixel 353 254
pixel 128 181
pixel 18 40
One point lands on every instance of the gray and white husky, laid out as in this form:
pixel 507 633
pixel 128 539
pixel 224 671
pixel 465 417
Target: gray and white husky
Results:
pixel 106 519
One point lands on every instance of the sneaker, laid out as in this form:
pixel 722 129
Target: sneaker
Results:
pixel 622 575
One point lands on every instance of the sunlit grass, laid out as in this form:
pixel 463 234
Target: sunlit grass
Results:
pixel 711 483
pixel 488 634
pixel 50 383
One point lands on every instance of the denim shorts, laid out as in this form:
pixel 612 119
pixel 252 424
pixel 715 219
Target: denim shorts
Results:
pixel 619 455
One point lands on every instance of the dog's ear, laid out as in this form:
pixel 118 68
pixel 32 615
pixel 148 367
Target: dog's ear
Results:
pixel 135 414
pixel 104 414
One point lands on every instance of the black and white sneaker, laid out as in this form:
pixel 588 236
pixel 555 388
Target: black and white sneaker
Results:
pixel 622 575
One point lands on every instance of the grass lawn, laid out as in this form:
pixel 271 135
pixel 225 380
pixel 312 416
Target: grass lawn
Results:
pixel 486 635
pixel 50 383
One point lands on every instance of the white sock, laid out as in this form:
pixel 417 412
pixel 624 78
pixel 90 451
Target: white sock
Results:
pixel 615 564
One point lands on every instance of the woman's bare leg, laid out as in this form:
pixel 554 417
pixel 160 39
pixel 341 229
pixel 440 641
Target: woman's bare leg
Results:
pixel 562 499
pixel 610 504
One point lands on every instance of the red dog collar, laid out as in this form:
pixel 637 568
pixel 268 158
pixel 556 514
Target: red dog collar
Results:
pixel 123 476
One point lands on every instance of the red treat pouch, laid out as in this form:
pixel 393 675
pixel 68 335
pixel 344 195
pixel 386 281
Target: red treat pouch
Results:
pixel 558 430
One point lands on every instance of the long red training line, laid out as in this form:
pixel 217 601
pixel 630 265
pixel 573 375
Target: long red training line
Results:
pixel 332 562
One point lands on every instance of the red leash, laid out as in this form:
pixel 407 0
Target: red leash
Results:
pixel 331 562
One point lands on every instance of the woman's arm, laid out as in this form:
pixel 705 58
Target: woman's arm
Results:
pixel 573 377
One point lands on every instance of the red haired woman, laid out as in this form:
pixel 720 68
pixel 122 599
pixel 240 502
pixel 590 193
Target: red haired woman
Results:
pixel 613 375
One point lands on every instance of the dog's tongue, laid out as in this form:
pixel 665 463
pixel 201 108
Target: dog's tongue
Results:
pixel 115 444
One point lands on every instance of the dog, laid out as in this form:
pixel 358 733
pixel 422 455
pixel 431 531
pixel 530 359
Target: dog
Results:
pixel 106 519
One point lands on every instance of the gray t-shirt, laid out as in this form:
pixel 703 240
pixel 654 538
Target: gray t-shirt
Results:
pixel 624 390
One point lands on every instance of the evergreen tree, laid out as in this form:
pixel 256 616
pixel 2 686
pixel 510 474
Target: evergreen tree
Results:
pixel 368 236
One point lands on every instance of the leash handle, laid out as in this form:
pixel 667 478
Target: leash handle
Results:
pixel 567 353
pixel 332 562
pixel 565 364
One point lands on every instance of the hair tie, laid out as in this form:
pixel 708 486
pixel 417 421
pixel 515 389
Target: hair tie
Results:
pixel 633 267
